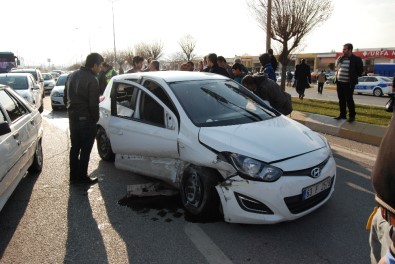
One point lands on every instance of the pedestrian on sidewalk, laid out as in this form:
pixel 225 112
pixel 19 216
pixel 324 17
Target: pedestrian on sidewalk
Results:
pixel 321 79
pixel 302 78
pixel 349 68
pixel 81 97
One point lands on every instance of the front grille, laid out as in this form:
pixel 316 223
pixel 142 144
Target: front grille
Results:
pixel 251 205
pixel 296 205
pixel 306 172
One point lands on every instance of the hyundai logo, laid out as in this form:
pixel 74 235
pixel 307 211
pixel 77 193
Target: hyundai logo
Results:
pixel 315 173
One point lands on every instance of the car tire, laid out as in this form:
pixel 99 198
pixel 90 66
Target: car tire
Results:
pixel 197 190
pixel 38 159
pixel 104 145
pixel 377 92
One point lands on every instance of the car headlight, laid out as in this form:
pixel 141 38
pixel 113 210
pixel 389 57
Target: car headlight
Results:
pixel 327 144
pixel 56 94
pixel 255 169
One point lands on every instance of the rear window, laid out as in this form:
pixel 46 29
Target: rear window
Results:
pixel 34 73
pixel 15 82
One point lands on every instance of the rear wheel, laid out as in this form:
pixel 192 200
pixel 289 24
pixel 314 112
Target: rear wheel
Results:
pixel 104 145
pixel 38 159
pixel 197 189
pixel 377 92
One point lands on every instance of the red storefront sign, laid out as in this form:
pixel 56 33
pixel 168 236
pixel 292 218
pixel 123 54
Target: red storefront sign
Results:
pixel 366 54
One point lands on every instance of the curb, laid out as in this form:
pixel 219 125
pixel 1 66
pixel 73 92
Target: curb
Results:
pixel 357 131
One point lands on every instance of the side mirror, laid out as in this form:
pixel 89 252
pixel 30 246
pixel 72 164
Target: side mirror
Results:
pixel 36 87
pixel 4 128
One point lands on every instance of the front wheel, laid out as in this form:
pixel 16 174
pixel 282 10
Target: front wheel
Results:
pixel 104 145
pixel 38 159
pixel 197 189
pixel 377 92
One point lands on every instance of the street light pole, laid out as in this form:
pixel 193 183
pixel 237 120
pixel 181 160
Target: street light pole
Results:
pixel 268 24
pixel 113 33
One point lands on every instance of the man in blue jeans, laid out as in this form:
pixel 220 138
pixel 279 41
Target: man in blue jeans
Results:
pixel 81 97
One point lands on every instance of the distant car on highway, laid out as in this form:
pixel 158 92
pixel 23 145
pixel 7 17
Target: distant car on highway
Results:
pixel 49 82
pixel 58 91
pixel 20 141
pixel 376 85
pixel 25 85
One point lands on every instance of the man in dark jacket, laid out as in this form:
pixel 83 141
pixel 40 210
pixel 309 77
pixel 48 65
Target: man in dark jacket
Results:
pixel 268 90
pixel 212 62
pixel 302 77
pixel 349 68
pixel 81 97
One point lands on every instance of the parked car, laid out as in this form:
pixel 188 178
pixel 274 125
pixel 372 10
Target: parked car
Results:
pixel 216 142
pixel 376 85
pixel 20 141
pixel 49 82
pixel 58 92
pixel 37 76
pixel 25 85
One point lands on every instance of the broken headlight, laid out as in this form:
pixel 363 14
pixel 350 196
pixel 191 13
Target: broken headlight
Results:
pixel 254 169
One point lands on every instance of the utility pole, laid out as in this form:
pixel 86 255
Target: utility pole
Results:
pixel 268 24
pixel 113 33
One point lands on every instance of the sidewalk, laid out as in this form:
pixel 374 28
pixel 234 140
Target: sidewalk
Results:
pixel 357 131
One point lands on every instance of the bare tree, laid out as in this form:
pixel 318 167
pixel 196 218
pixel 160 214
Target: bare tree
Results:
pixel 142 49
pixel 292 20
pixel 188 44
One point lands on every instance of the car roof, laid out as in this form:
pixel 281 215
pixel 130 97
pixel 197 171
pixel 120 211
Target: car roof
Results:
pixel 16 74
pixel 25 70
pixel 173 76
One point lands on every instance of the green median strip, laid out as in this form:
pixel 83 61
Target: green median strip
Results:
pixel 367 114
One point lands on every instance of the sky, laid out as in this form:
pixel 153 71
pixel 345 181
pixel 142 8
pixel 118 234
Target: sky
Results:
pixel 66 31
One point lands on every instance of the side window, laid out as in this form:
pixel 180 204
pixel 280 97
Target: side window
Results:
pixel 14 109
pixel 125 100
pixel 151 111
pixel 2 117
pixel 158 91
pixel 371 79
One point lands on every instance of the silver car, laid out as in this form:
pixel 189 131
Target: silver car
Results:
pixel 58 91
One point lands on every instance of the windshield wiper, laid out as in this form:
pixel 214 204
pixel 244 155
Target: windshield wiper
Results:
pixel 223 100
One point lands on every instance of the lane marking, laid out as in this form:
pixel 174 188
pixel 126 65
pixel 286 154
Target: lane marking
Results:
pixel 205 245
pixel 354 153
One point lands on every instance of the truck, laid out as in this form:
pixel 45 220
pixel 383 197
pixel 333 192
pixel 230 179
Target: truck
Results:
pixel 8 61
pixel 384 69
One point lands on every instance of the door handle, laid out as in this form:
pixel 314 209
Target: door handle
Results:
pixel 32 122
pixel 16 135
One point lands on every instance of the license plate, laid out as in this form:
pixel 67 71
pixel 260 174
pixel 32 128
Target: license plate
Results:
pixel 316 188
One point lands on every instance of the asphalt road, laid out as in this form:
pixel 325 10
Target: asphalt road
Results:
pixel 48 221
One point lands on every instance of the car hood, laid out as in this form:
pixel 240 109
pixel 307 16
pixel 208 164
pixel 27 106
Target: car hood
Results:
pixel 270 140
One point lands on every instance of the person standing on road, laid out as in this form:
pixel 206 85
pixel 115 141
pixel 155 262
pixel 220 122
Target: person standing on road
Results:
pixel 137 64
pixel 382 229
pixel 289 78
pixel 105 75
pixel 273 60
pixel 349 68
pixel 81 97
pixel 212 62
pixel 267 68
pixel 321 79
pixel 302 78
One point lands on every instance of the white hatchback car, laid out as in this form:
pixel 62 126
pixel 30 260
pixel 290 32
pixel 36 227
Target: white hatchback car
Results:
pixel 20 141
pixel 216 142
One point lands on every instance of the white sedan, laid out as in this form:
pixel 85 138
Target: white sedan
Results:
pixel 58 92
pixel 220 145
pixel 376 85
pixel 20 141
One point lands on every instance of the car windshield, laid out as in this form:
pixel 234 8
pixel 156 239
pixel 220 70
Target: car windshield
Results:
pixel 220 103
pixel 34 73
pixel 61 80
pixel 15 82
pixel 47 76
